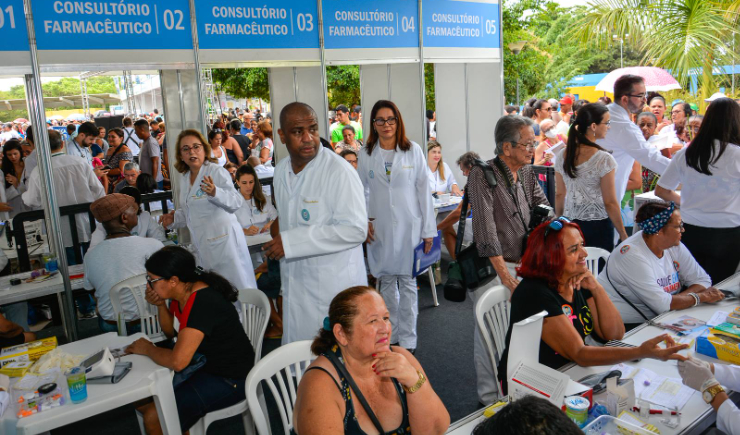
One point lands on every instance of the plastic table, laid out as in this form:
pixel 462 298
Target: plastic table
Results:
pixel 146 379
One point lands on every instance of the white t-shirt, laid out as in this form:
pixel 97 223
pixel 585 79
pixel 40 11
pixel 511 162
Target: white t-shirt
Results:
pixel 646 280
pixel 249 214
pixel 147 227
pixel 131 140
pixel 583 198
pixel 388 159
pixel 711 201
pixel 436 184
pixel 113 261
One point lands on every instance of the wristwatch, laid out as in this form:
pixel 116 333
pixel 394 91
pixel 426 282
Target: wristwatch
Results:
pixel 710 393
pixel 418 384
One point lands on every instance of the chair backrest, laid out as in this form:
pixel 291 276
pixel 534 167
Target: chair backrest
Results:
pixel 492 318
pixel 148 313
pixel 255 315
pixel 594 255
pixel 284 366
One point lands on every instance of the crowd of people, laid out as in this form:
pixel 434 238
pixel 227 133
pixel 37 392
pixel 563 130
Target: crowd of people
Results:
pixel 350 209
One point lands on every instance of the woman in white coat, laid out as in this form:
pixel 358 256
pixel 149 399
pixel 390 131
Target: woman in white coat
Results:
pixel 441 179
pixel 394 172
pixel 207 203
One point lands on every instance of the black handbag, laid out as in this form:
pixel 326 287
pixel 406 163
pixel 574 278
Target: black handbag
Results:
pixel 474 269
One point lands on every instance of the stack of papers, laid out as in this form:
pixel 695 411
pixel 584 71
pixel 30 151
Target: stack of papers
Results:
pixel 669 393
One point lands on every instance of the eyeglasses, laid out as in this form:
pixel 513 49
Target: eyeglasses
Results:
pixel 556 225
pixel 353 162
pixel 529 146
pixel 152 281
pixel 605 123
pixel 195 148
pixel 640 96
pixel 549 109
pixel 390 121
pixel 676 112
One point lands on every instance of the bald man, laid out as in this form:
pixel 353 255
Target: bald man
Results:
pixel 321 226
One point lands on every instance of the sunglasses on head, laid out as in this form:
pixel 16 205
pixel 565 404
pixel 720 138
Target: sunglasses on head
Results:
pixel 556 225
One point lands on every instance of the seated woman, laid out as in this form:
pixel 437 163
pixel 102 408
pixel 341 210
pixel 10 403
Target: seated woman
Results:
pixel 653 272
pixel 556 279
pixel 203 302
pixel 257 213
pixel 449 225
pixel 440 175
pixel 354 347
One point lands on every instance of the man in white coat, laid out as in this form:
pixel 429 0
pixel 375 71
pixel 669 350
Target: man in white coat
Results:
pixel 322 224
pixel 624 138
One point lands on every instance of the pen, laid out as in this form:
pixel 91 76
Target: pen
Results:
pixel 657 411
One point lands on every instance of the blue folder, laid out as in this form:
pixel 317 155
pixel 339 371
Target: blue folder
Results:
pixel 423 261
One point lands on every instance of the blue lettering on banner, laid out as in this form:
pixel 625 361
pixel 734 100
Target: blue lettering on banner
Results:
pixel 112 25
pixel 13 26
pixel 236 24
pixel 370 24
pixel 449 23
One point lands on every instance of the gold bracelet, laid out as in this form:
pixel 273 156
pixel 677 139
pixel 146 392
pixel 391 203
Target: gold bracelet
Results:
pixel 418 384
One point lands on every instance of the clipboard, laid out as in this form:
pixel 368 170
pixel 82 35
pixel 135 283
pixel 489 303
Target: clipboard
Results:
pixel 423 261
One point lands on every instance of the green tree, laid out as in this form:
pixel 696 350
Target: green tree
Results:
pixel 243 82
pixel 343 85
pixel 677 35
pixel 429 86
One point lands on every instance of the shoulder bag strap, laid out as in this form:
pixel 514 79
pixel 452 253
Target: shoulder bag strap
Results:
pixel 358 394
pixel 491 180
pixel 606 267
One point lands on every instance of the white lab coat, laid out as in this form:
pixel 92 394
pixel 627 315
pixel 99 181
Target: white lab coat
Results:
pixel 728 415
pixel 216 234
pixel 74 183
pixel 628 144
pixel 4 216
pixel 323 223
pixel 437 184
pixel 402 208
pixel 13 194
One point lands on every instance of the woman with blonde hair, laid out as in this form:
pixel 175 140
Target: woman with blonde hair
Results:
pixel 264 132
pixel 440 175
pixel 207 205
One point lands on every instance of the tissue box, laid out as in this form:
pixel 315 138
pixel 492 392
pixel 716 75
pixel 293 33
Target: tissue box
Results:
pixel 31 351
pixel 16 369
pixel 721 347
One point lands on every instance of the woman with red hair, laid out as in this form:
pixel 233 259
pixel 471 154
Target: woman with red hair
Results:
pixel 557 280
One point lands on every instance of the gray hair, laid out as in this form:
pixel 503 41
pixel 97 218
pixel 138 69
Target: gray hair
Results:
pixel 131 166
pixel 699 118
pixel 468 159
pixel 507 130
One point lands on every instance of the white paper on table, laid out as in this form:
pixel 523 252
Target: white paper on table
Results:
pixel 660 390
pixel 717 318
pixel 669 393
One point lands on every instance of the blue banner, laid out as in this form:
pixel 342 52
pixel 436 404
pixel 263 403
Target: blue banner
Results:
pixel 231 24
pixel 13 26
pixel 449 23
pixel 112 25
pixel 370 24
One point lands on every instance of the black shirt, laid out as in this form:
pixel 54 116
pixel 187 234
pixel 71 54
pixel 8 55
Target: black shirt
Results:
pixel 244 143
pixel 226 347
pixel 531 297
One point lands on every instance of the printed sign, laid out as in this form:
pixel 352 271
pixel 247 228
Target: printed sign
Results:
pixel 13 26
pixel 459 24
pixel 112 25
pixel 351 24
pixel 236 24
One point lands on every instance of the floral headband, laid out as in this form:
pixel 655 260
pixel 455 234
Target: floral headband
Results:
pixel 655 223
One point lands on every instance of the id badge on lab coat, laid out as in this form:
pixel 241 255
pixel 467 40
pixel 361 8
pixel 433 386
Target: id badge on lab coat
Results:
pixel 310 210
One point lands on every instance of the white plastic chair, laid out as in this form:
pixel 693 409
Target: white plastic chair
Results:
pixel 594 255
pixel 492 317
pixel 286 363
pixel 148 313
pixel 255 316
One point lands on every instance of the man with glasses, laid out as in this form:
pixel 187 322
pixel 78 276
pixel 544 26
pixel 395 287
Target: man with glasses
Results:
pixel 501 219
pixel 322 224
pixel 105 266
pixel 625 138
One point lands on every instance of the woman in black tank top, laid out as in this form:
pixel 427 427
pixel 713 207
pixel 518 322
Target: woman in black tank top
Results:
pixel 361 382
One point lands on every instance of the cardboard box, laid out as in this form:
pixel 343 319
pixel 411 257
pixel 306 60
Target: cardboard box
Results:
pixel 31 351
pixel 721 347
